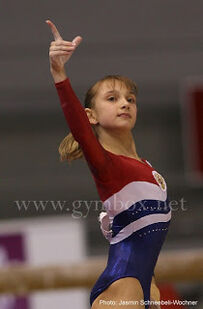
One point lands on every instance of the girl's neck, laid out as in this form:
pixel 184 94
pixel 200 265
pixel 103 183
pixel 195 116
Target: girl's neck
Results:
pixel 120 143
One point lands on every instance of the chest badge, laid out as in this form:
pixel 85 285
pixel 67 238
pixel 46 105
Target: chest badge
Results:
pixel 160 180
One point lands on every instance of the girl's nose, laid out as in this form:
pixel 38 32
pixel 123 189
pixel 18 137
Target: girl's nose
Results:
pixel 125 104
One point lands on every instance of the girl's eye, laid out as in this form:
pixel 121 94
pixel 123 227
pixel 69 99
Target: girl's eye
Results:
pixel 111 98
pixel 132 100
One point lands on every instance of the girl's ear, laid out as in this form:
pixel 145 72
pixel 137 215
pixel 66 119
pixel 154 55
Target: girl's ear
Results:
pixel 91 116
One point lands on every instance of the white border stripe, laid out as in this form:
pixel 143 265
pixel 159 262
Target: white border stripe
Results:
pixel 132 193
pixel 139 224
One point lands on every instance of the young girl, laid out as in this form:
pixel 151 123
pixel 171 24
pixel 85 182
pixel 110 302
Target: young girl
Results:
pixel 133 193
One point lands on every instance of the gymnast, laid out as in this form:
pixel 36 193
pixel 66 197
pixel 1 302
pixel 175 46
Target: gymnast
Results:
pixel 133 193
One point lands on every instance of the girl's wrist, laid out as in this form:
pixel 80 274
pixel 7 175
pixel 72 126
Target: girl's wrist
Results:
pixel 58 76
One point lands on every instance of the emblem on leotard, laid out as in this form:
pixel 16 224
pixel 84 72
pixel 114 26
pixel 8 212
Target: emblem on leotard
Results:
pixel 160 180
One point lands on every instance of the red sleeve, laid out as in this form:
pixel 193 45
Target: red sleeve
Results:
pixel 80 127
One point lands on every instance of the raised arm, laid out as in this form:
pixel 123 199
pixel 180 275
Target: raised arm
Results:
pixel 59 53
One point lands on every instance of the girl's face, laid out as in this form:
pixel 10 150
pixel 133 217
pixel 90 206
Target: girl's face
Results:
pixel 114 107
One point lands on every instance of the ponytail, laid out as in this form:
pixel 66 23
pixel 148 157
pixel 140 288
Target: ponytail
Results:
pixel 70 149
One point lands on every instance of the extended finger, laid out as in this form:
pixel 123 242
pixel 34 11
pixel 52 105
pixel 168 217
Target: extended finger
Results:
pixel 54 30
pixel 77 40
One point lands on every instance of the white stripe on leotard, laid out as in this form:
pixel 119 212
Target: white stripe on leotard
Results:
pixel 132 193
pixel 139 224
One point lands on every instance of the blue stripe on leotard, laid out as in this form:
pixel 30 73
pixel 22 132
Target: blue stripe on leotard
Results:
pixel 136 211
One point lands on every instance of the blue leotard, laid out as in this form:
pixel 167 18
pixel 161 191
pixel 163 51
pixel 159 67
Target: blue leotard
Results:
pixel 135 199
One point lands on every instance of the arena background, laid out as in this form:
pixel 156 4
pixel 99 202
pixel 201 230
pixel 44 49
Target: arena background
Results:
pixel 158 44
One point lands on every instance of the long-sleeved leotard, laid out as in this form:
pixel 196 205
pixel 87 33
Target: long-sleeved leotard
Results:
pixel 134 196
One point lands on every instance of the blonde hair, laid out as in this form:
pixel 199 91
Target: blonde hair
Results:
pixel 69 148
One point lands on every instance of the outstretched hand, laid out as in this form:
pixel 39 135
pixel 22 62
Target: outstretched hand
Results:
pixel 60 51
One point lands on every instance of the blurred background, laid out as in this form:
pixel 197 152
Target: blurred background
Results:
pixel 159 45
